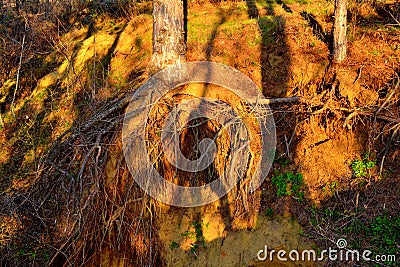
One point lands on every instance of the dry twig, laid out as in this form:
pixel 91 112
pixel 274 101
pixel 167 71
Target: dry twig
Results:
pixel 18 72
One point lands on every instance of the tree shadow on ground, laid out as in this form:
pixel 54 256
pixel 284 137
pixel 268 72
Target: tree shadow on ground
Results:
pixel 318 30
pixel 274 56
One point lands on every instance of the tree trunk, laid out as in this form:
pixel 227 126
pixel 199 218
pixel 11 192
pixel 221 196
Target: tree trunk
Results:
pixel 169 47
pixel 339 31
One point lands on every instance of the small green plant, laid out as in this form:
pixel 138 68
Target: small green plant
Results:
pixel 174 245
pixel 195 233
pixel 361 168
pixel 194 249
pixel 330 188
pixel 288 184
pixel 375 52
pixel 269 212
pixel 32 254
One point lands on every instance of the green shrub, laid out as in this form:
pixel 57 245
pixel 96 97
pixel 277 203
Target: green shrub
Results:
pixel 360 168
pixel 288 184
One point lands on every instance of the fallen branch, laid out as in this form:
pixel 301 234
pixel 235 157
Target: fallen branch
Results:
pixel 270 101
pixel 18 71
pixel 390 95
pixel 390 13
pixel 359 73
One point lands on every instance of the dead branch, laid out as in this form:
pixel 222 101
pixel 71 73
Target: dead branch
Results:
pixel 397 22
pixel 270 101
pixel 18 72
pixel 390 95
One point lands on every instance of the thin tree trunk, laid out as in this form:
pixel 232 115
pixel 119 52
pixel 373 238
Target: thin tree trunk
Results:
pixel 339 31
pixel 169 47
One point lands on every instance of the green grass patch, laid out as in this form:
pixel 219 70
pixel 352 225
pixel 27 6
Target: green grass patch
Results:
pixel 380 235
pixel 288 184
pixel 384 234
pixel 362 168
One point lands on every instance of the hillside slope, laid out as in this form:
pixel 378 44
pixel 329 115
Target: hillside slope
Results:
pixel 66 194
